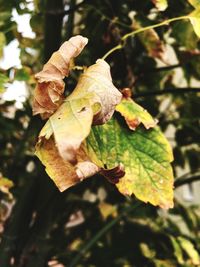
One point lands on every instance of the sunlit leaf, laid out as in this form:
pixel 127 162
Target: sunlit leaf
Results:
pixel 107 210
pixel 194 3
pixel 190 250
pixel 177 250
pixel 160 4
pixel 195 20
pixel 5 185
pixel 147 251
pixel 146 156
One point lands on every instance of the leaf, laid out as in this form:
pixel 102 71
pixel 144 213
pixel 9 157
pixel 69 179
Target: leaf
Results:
pixel 194 3
pixel 177 250
pixel 107 210
pixel 151 41
pixel 147 251
pixel 160 4
pixel 195 20
pixel 188 247
pixel 5 185
pixel 63 173
pixel 2 43
pixel 3 79
pixel 184 35
pixel 134 114
pixel 146 156
pixel 50 84
pixel 92 101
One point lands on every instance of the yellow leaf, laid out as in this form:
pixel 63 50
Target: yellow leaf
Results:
pixel 195 20
pixel 134 114
pixel 63 173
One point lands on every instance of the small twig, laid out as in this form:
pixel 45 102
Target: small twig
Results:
pixel 131 34
pixel 187 180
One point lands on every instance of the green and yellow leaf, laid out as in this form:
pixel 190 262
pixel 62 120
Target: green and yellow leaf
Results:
pixel 134 114
pixel 92 102
pixel 195 20
pixel 2 43
pixel 190 250
pixel 146 156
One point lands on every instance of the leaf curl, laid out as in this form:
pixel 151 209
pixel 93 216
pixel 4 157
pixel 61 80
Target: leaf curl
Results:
pixel 48 94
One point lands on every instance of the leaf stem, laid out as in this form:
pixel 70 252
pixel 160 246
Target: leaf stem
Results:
pixel 126 36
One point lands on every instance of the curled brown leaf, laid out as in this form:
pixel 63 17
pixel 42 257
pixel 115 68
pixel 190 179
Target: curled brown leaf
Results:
pixel 49 90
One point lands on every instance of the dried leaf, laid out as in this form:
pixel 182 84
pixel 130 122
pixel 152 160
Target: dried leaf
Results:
pixel 50 84
pixel 93 101
pixel 153 44
pixel 160 4
pixel 134 114
pixel 63 173
pixel 146 156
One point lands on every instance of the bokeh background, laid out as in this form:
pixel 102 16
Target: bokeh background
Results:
pixel 92 224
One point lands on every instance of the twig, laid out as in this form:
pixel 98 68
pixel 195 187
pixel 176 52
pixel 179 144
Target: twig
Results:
pixel 167 91
pixel 126 36
pixel 188 180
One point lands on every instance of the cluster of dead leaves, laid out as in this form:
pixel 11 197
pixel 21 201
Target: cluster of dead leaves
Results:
pixel 62 144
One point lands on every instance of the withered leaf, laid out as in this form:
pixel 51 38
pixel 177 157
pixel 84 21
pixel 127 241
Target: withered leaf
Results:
pixel 93 101
pixel 50 84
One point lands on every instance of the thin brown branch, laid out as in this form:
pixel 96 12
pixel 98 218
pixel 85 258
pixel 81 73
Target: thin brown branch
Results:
pixel 173 91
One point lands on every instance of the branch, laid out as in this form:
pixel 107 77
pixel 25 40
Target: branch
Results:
pixel 61 12
pixel 172 91
pixel 133 33
pixel 188 180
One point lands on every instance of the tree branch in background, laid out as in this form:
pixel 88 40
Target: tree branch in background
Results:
pixel 187 180
pixel 172 91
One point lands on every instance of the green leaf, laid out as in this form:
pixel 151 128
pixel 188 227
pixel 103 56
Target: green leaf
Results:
pixel 184 35
pixel 160 4
pixel 177 250
pixel 3 79
pixel 2 43
pixel 134 114
pixel 190 250
pixel 146 156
